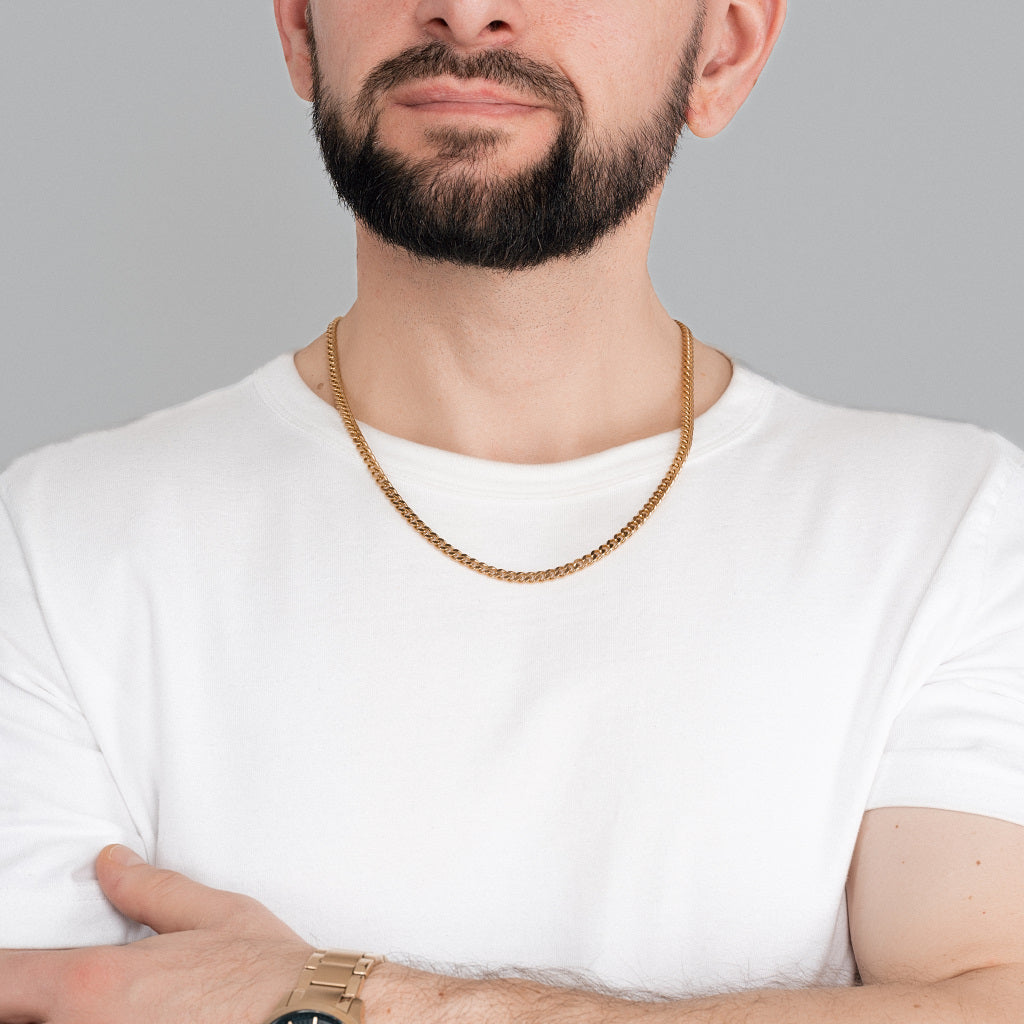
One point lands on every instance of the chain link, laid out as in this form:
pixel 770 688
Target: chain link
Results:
pixel 511 575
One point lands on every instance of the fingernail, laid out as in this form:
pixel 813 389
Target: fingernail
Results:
pixel 125 857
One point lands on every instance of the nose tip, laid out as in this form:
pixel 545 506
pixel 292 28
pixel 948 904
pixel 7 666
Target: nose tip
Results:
pixel 454 32
pixel 471 23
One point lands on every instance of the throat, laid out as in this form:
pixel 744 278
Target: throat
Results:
pixel 530 418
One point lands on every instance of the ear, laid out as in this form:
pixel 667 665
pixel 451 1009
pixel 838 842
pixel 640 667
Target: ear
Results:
pixel 738 38
pixel 293 30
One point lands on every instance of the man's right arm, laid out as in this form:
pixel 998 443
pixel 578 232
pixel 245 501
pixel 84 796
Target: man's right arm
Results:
pixel 59 801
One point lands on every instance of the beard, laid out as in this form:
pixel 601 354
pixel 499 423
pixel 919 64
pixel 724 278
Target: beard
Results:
pixel 560 206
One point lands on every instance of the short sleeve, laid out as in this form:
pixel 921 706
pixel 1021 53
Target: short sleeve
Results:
pixel 59 804
pixel 958 742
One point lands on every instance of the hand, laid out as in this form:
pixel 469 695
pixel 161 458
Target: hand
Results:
pixel 217 957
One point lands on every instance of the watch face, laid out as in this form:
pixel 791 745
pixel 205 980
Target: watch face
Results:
pixel 306 1017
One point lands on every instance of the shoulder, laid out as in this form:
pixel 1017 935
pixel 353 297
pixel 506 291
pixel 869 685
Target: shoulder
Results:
pixel 885 452
pixel 154 462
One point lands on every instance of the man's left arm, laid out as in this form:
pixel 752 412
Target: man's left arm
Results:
pixel 936 914
pixel 936 904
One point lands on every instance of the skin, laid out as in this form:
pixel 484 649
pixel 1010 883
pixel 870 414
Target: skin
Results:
pixel 575 356
pixel 548 364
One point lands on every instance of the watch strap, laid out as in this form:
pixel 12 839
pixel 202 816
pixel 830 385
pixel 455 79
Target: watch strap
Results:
pixel 330 982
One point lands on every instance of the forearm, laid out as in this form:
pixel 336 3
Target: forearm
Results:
pixel 401 995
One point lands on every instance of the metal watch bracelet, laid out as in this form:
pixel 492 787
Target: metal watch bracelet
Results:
pixel 330 982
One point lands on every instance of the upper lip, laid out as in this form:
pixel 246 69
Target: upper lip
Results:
pixel 473 91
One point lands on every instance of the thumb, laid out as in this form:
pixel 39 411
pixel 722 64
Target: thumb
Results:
pixel 162 900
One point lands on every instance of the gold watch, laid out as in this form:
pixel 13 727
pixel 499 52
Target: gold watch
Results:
pixel 327 990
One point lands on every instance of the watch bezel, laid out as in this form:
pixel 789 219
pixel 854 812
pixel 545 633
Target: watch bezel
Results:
pixel 323 1016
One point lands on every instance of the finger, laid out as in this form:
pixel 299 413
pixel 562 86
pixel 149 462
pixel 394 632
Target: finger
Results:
pixel 29 982
pixel 162 900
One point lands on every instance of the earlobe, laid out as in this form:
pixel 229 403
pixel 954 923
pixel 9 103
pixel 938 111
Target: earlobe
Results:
pixel 292 27
pixel 739 39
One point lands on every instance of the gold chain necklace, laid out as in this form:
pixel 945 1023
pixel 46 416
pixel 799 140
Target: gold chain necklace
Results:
pixel 510 575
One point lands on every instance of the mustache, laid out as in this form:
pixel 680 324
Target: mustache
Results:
pixel 436 59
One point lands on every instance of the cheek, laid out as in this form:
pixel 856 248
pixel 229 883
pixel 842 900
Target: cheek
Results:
pixel 619 62
pixel 354 36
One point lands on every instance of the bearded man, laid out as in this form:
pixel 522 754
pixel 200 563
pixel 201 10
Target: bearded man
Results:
pixel 685 698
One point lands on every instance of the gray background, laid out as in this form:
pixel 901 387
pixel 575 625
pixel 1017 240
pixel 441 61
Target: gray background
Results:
pixel 856 233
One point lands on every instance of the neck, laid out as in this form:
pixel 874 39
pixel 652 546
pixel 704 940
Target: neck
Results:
pixel 544 365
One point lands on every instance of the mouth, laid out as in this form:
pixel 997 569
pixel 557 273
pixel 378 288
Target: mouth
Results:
pixel 474 97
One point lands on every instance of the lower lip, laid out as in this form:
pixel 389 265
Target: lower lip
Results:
pixel 456 109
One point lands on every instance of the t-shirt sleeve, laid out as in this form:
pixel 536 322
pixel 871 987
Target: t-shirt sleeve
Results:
pixel 958 741
pixel 59 804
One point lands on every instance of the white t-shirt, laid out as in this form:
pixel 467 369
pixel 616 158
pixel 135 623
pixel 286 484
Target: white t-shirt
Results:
pixel 221 645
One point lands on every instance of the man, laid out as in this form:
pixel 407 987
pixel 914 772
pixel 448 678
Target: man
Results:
pixel 734 749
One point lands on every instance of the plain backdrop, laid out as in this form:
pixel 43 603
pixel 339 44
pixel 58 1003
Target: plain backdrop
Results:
pixel 166 227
